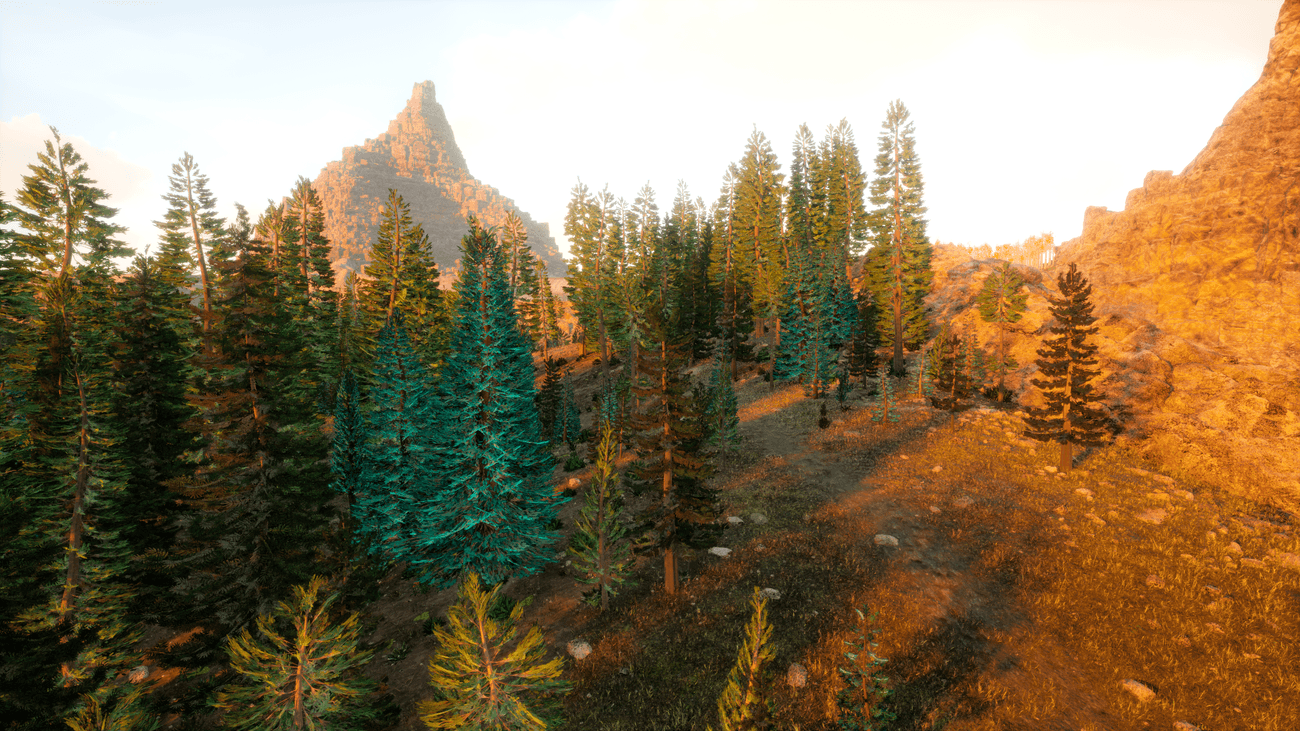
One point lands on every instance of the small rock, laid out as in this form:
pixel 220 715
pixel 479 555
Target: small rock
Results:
pixel 1185 494
pixel 1254 563
pixel 902 456
pixel 1050 468
pixel 573 483
pixel 1214 627
pixel 796 676
pixel 937 468
pixel 625 671
pixel 1234 547
pixel 965 501
pixel 757 518
pixel 139 674
pixel 884 539
pixel 1158 496
pixel 579 649
pixel 1139 690
pixel 1155 582
pixel 720 551
pixel 935 509
pixel 1163 478
pixel 1093 517
pixel 735 519
pixel 1184 726
pixel 1154 517
pixel 1084 492
pixel 852 434
pixel 772 594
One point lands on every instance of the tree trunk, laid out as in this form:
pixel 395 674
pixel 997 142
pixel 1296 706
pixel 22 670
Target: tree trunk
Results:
pixel 76 532
pixel 203 266
pixel 1066 457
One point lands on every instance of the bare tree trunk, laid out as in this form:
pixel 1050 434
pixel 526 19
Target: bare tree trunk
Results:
pixel 76 532
pixel 1066 456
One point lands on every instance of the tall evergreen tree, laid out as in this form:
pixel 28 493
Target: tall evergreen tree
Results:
pixel 865 339
pixel 495 503
pixel 898 265
pixel 668 436
pixel 951 381
pixel 722 421
pixel 884 407
pixel 567 419
pixel 1002 300
pixel 756 223
pixel 401 273
pixel 350 452
pixel 590 223
pixel 543 320
pixel 728 274
pixel 600 548
pixel 192 227
pixel 839 172
pixel 301 671
pixel 549 397
pixel 1071 414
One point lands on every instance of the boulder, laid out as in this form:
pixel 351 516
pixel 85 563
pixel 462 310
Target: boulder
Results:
pixel 579 649
pixel 796 676
pixel 1139 690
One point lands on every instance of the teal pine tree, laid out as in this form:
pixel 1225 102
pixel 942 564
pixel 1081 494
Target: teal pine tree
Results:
pixel 484 680
pixel 600 548
pixel 723 423
pixel 862 703
pixel 864 340
pixel 742 705
pixel 495 501
pixel 1071 414
pixel 567 420
pixel 549 397
pixel 1002 300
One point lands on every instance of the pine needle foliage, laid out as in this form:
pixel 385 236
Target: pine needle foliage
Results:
pixel 549 397
pixel 494 504
pixel 884 406
pixel 862 703
pixel 349 452
pixel 976 364
pixel 301 671
pixel 600 548
pixel 951 379
pixel 568 422
pixel 1071 413
pixel 925 374
pixel 722 421
pixel 742 705
pixel 482 684
pixel 864 340
pixel 1002 300
pixel 115 709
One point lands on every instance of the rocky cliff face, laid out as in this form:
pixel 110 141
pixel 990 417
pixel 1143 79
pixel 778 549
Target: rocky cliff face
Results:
pixel 1196 286
pixel 417 157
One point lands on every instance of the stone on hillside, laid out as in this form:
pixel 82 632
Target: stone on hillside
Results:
pixel 139 674
pixel 1158 496
pixel 937 468
pixel 757 518
pixel 1155 582
pixel 1050 468
pixel 573 483
pixel 1286 560
pixel 796 676
pixel 579 649
pixel 735 519
pixel 1163 478
pixel 884 539
pixel 965 501
pixel 1139 690
pixel 1254 563
pixel 852 434
pixel 1184 726
pixel 772 594
pixel 1084 492
pixel 720 552
pixel 1155 516
pixel 935 509
pixel 1234 547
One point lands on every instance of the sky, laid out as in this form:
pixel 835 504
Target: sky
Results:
pixel 1025 112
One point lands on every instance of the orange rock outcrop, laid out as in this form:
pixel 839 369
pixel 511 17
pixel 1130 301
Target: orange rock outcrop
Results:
pixel 417 157
pixel 1196 286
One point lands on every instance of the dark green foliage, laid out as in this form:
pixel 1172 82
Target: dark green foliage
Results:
pixel 729 276
pixel 952 383
pixel 349 450
pixel 808 319
pixel 190 228
pixel 494 500
pixel 600 548
pixel 865 339
pixel 843 387
pixel 1002 300
pixel 549 398
pixel 884 406
pixel 301 670
pixel 611 408
pixel 595 239
pixel 1071 414
pixel 567 420
pixel 743 705
pixel 972 356
pixel 480 685
pixel 721 419
pixel 862 704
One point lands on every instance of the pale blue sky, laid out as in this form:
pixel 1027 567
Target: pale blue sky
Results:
pixel 1026 112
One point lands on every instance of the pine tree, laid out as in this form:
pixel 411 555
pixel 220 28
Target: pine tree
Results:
pixel 484 681
pixel 600 548
pixel 300 671
pixel 115 709
pixel 543 322
pixel 549 397
pixel 756 223
pixel 881 407
pixel 192 227
pixel 951 381
pixel 742 706
pixel 723 422
pixel 349 452
pixel 694 295
pixel 862 702
pixel 864 340
pixel 401 273
pixel 898 266
pixel 844 228
pixel 591 226
pixel 728 275
pixel 400 462
pixel 1071 413
pixel 925 374
pixel 975 364
pixel 494 503
pixel 668 435
pixel 567 419
pixel 1002 300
